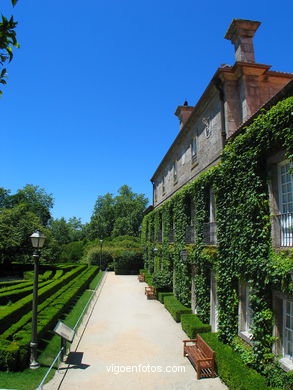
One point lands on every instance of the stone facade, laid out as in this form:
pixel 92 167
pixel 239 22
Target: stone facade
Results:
pixel 233 95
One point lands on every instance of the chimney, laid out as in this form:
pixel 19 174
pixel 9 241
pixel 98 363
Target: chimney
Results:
pixel 183 113
pixel 241 33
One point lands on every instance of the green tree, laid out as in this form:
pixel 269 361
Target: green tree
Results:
pixel 36 199
pixel 117 216
pixel 60 230
pixel 16 225
pixel 7 42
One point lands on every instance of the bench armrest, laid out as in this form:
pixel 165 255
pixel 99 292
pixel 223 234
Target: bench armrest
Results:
pixel 189 341
pixel 205 359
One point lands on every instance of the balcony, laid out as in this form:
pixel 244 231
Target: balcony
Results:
pixel 282 226
pixel 210 233
pixel 190 234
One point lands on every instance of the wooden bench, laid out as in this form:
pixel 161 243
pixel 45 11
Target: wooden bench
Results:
pixel 150 292
pixel 141 278
pixel 201 356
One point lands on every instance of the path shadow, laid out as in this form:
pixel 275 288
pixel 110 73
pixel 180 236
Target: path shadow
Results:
pixel 74 359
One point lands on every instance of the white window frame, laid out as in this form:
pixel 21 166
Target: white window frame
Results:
pixel 245 316
pixel 194 149
pixel 286 222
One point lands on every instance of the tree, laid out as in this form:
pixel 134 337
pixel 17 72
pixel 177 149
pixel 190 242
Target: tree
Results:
pixel 7 42
pixel 16 226
pixel 117 216
pixel 36 199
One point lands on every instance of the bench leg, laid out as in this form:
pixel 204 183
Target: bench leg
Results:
pixel 198 368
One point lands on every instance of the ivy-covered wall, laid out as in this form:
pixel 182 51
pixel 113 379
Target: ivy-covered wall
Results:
pixel 244 249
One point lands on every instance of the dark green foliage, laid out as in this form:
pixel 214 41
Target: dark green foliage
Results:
pixel 175 307
pixel 231 368
pixel 72 252
pixel 127 262
pixel 191 324
pixel 49 311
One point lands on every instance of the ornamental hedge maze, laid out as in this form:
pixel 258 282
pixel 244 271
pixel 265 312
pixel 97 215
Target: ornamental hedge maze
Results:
pixel 59 286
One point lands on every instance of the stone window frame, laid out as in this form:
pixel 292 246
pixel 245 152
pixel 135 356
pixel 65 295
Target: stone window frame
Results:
pixel 175 172
pixel 245 313
pixel 273 165
pixel 279 302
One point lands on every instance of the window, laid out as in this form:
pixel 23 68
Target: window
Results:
pixel 245 313
pixel 175 178
pixel 163 186
pixel 155 194
pixel 288 329
pixel 285 186
pixel 193 150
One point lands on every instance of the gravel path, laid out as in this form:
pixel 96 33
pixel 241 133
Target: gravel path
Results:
pixel 127 332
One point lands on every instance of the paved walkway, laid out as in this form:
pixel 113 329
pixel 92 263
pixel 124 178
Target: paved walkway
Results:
pixel 126 329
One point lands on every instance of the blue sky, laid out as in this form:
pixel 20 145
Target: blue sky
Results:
pixel 92 92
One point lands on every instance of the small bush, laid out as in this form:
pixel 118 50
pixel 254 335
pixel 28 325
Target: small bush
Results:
pixel 72 252
pixel 175 308
pixel 231 369
pixel 192 325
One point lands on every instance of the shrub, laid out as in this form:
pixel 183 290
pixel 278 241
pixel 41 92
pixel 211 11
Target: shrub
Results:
pixel 162 294
pixel 163 279
pixel 175 308
pixel 72 252
pixel 192 325
pixel 127 262
pixel 231 369
pixel 95 255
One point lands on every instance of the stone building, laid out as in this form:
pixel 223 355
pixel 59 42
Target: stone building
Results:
pixel 233 95
pixel 232 101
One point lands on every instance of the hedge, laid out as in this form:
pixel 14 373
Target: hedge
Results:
pixel 14 312
pixel 162 294
pixel 127 262
pixel 191 324
pixel 16 294
pixel 14 354
pixel 232 370
pixel 175 307
pixel 17 286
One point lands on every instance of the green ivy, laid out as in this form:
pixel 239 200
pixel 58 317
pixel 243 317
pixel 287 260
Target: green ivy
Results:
pixel 243 231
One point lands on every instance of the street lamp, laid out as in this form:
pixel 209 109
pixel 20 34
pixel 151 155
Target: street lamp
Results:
pixel 101 246
pixel 38 240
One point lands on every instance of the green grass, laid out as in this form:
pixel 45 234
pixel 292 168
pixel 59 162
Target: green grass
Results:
pixel 30 379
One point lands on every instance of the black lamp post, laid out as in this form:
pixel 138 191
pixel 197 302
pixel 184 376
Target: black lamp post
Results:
pixel 38 240
pixel 101 246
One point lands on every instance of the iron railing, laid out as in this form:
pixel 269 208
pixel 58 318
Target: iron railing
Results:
pixel 210 233
pixel 283 227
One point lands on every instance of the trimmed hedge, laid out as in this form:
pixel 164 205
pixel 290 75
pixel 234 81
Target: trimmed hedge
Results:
pixel 127 261
pixel 16 294
pixel 13 313
pixel 162 294
pixel 232 370
pixel 191 324
pixel 14 354
pixel 175 308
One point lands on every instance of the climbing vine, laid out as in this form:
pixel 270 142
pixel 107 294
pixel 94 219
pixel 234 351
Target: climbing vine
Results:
pixel 244 249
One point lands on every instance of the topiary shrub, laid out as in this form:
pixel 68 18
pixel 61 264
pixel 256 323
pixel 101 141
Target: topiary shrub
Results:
pixel 162 294
pixel 175 308
pixel 192 325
